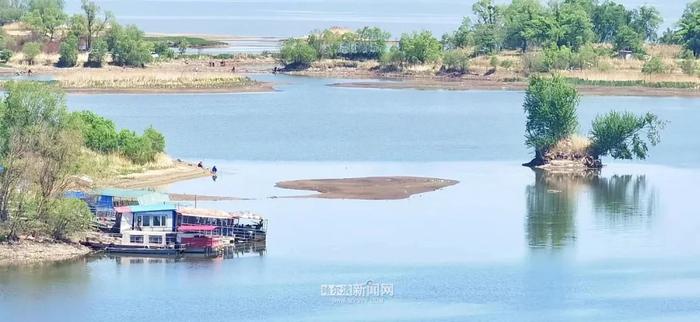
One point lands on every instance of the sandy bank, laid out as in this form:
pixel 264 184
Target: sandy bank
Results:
pixel 473 84
pixel 180 171
pixel 260 88
pixel 369 188
pixel 32 252
pixel 191 197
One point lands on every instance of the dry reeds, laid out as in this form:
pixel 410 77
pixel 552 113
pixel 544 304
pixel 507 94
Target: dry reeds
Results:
pixel 149 79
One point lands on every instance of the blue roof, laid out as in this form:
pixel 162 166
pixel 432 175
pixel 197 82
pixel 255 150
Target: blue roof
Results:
pixel 123 193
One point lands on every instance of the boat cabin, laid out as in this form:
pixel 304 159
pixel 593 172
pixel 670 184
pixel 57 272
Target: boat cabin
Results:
pixel 241 226
pixel 199 239
pixel 107 200
pixel 148 225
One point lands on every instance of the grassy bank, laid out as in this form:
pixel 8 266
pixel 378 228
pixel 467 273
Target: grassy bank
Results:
pixel 632 83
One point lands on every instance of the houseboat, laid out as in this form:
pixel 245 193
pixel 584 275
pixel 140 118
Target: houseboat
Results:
pixel 242 227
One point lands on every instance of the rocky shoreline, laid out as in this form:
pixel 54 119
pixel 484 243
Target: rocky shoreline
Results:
pixel 31 252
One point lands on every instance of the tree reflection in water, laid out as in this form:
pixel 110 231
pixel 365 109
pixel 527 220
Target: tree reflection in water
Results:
pixel 552 201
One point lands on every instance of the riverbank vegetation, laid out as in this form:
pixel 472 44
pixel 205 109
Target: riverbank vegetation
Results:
pixel 550 109
pixel 44 149
pixel 585 40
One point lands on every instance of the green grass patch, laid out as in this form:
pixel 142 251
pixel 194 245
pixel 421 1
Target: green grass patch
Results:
pixel 194 42
pixel 632 83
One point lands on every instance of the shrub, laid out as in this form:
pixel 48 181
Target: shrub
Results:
pixel 506 63
pixel 101 135
pixel 30 51
pixel 654 66
pixel 558 58
pixel 689 66
pixel 155 139
pixel 163 50
pixel 533 62
pixel 620 134
pixel 493 62
pixel 69 52
pixel 392 59
pixel 5 55
pixel 227 56
pixel 456 60
pixel 67 216
pixel 97 54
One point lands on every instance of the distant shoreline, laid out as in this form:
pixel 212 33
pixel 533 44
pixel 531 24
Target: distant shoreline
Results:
pixel 494 85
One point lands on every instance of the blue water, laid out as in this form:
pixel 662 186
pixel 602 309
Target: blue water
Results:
pixel 305 120
pixel 294 18
pixel 505 244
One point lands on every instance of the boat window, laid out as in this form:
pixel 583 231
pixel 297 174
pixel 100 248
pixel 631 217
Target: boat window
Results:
pixel 156 221
pixel 146 221
pixel 170 238
pixel 136 239
pixel 162 221
pixel 155 239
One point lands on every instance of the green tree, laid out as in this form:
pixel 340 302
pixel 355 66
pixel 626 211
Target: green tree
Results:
pixel 45 16
pixel 460 38
pixel 128 46
pixel 96 57
pixel 163 50
pixel 37 149
pixel 688 33
pixel 646 21
pixel 297 53
pixel 30 51
pixel 94 23
pixel 12 10
pixel 519 17
pixel 371 43
pixel 607 20
pixel 550 109
pixel 77 26
pixel 576 27
pixel 420 47
pixel 155 139
pixel 488 31
pixel 669 37
pixel 99 133
pixel 69 52
pixel 625 135
pixel 628 39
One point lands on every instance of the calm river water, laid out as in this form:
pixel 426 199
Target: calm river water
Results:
pixel 506 244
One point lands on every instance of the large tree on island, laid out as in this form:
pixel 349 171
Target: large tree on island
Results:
pixel 550 109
